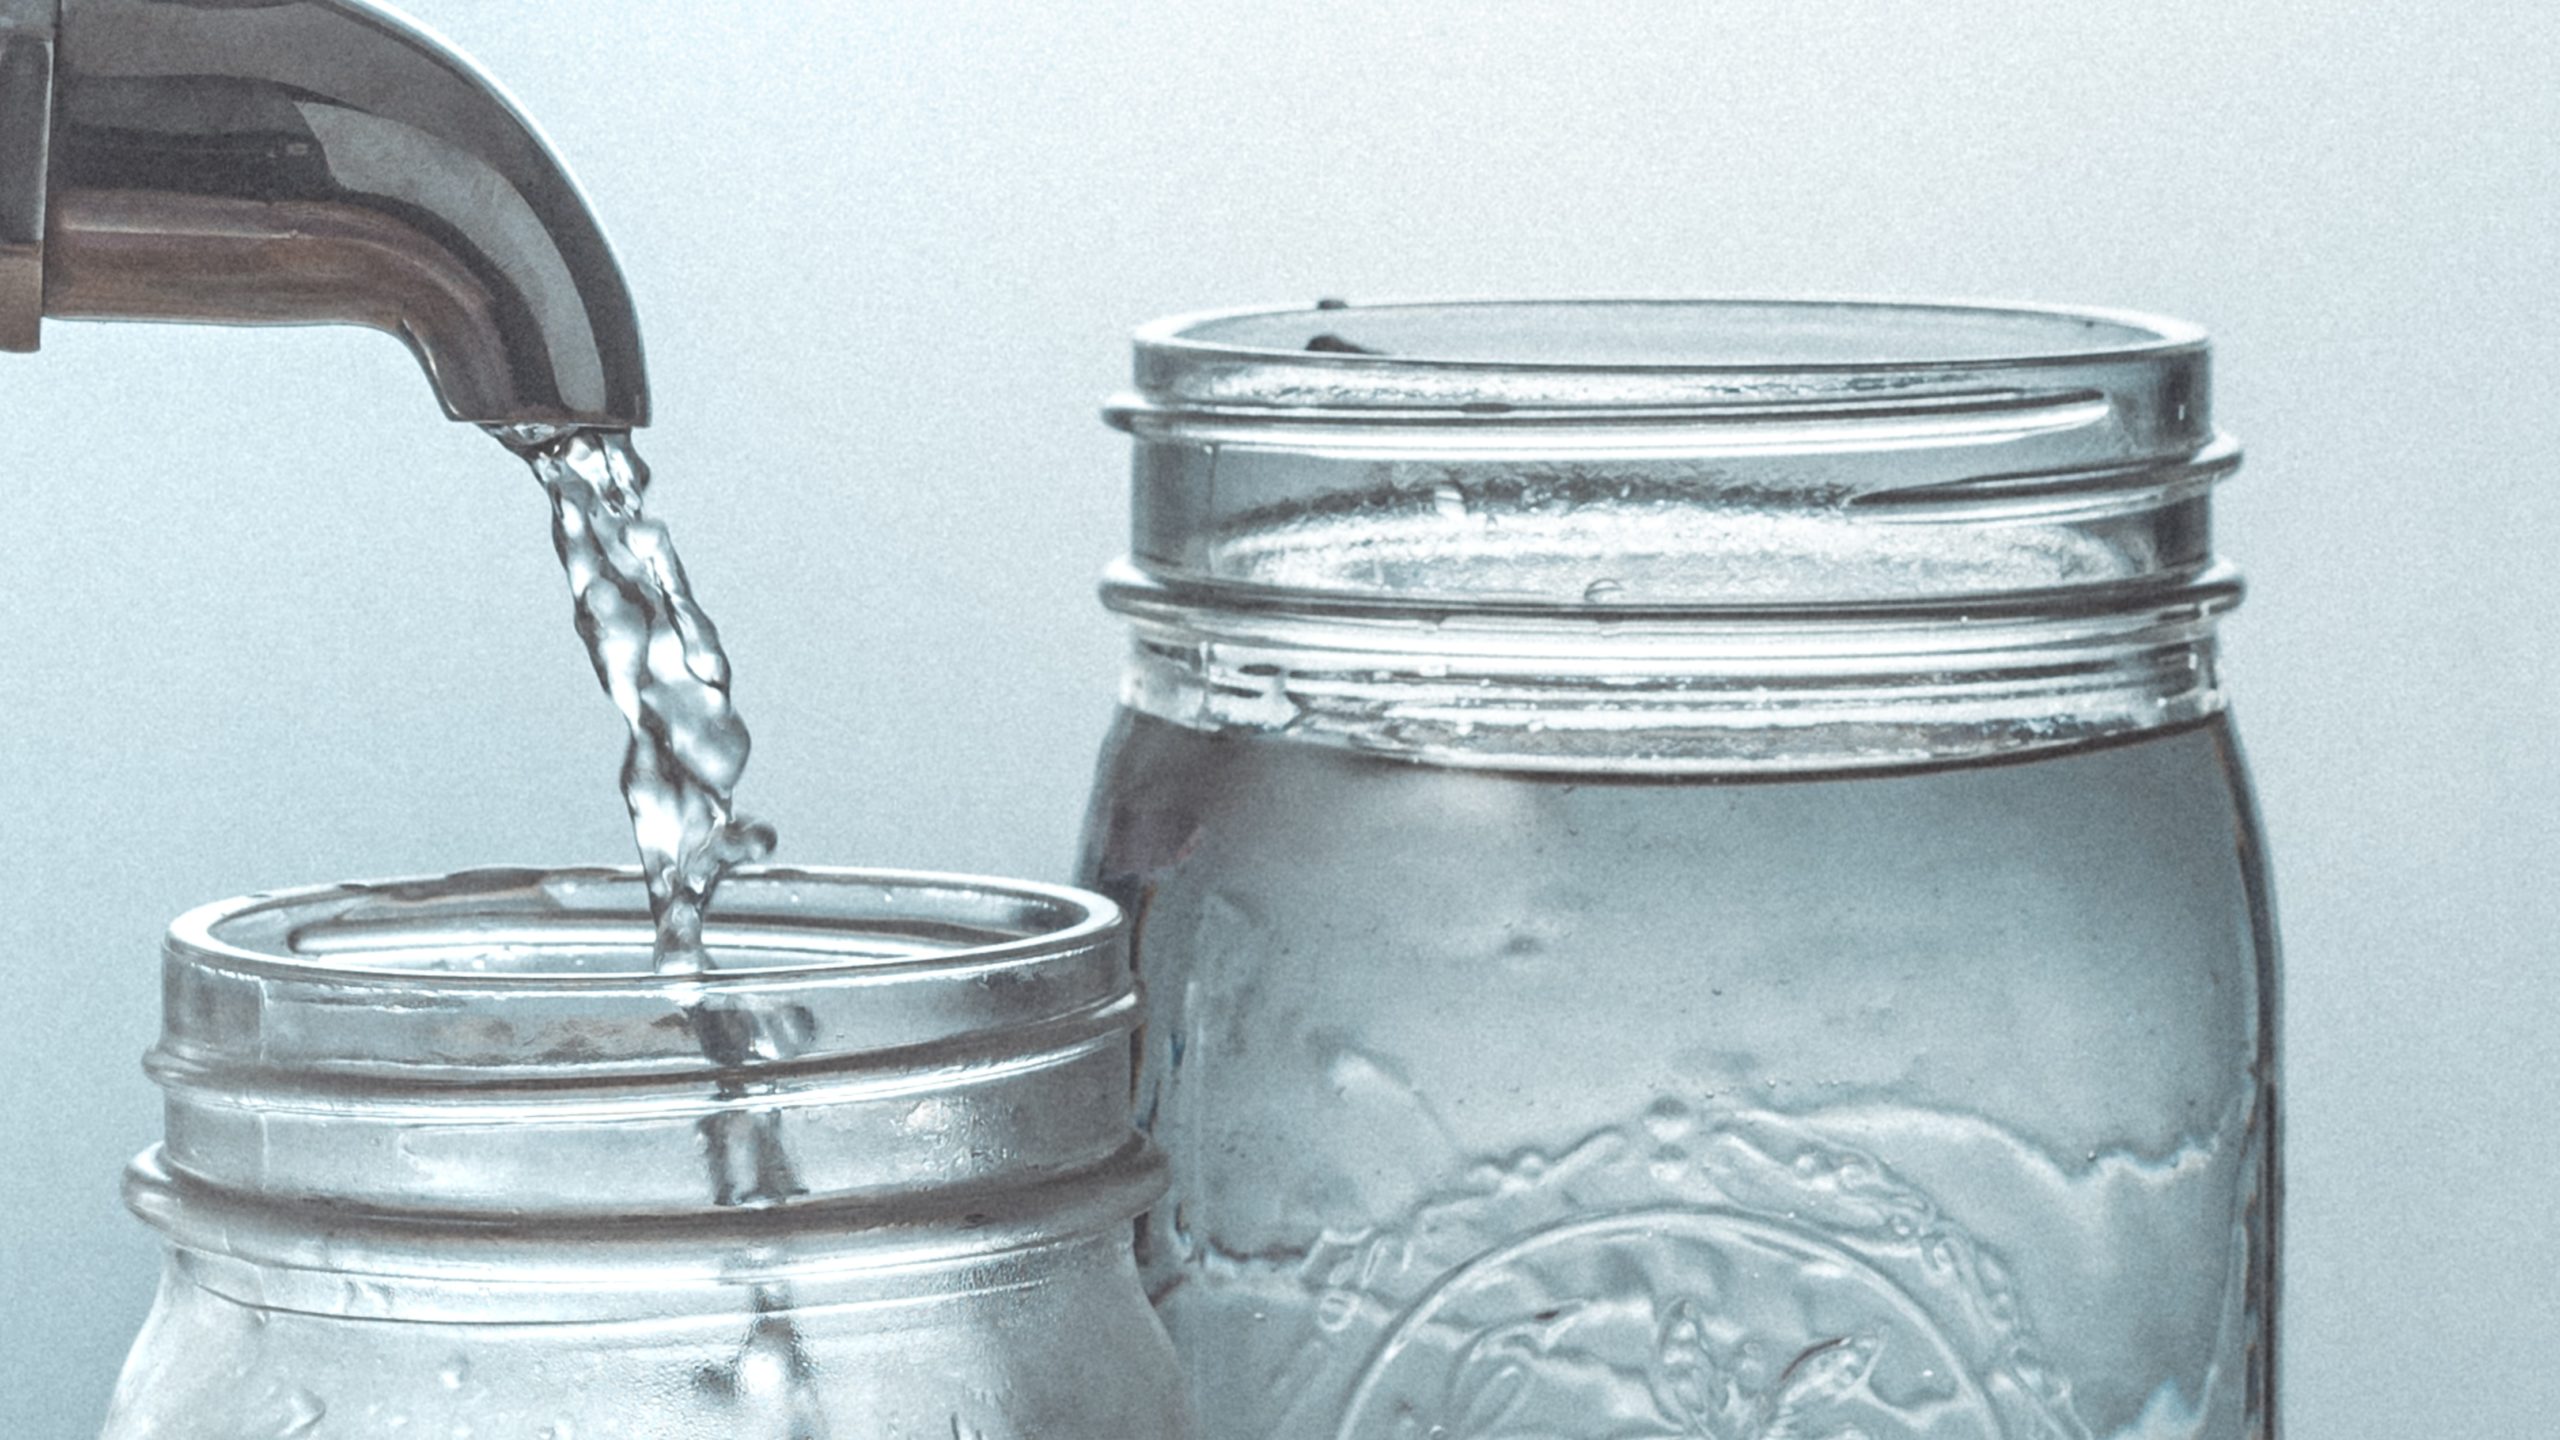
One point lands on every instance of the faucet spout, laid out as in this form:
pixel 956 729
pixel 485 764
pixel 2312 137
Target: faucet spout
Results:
pixel 299 162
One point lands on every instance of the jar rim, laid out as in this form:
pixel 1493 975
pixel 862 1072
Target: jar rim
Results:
pixel 1567 352
pixel 305 933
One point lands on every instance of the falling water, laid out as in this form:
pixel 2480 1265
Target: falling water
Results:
pixel 659 657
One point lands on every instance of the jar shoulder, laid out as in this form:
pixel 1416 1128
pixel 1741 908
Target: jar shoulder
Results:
pixel 1074 1356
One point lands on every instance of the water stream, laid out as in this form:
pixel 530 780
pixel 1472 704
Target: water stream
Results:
pixel 658 656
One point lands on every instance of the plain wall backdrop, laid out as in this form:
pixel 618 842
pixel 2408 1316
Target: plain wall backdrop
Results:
pixel 271 620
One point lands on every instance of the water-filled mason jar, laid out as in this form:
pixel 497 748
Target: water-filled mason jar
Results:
pixel 1692 877
pixel 445 1159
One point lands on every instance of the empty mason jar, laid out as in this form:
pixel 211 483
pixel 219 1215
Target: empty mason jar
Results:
pixel 444 1159
pixel 1691 876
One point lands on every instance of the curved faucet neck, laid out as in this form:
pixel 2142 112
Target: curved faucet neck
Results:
pixel 306 162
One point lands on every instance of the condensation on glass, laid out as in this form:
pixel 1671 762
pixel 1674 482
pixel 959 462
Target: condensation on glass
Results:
pixel 445 1158
pixel 1691 876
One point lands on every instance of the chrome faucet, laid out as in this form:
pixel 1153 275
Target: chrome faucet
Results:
pixel 299 162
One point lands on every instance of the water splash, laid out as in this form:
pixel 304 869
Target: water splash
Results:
pixel 659 657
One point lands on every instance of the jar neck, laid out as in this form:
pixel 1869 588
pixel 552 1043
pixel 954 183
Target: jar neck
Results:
pixel 326 1260
pixel 765 1127
pixel 1709 536
pixel 1669 691
pixel 476 1079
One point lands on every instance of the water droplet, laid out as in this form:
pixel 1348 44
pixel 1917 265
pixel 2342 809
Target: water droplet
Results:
pixel 1603 590
pixel 454 1373
pixel 1448 500
pixel 1383 1255
pixel 303 1412
pixel 1337 1309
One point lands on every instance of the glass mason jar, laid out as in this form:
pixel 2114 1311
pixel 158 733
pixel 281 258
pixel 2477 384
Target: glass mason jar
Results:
pixel 1690 876
pixel 444 1159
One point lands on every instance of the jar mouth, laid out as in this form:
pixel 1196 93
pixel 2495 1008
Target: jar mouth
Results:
pixel 1717 356
pixel 501 978
pixel 1707 336
pixel 1591 457
pixel 497 1041
pixel 588 928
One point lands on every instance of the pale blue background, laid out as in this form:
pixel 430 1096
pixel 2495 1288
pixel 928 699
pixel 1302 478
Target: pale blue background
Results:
pixel 271 620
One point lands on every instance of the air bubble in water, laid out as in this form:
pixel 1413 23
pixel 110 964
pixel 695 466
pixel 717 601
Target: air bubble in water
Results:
pixel 1603 590
pixel 1668 1118
pixel 1448 500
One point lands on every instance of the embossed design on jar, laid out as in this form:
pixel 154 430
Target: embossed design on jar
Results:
pixel 1668 1325
pixel 1698 1274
